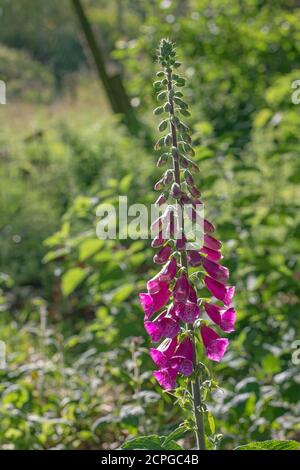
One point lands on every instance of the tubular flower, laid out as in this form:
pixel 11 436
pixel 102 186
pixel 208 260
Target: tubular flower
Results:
pixel 215 346
pixel 172 306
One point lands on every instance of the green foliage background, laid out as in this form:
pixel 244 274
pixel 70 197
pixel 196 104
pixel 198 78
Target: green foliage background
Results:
pixel 78 373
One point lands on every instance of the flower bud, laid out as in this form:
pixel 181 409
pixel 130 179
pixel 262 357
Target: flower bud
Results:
pixel 188 178
pixel 163 255
pixel 162 199
pixel 168 177
pixel 175 191
pixel 194 191
pixel 159 185
pixel 162 160
pixel 168 140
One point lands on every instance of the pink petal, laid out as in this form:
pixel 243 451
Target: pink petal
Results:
pixel 181 288
pixel 216 271
pixel 157 241
pixel 187 312
pixel 166 378
pixel 153 331
pixel 228 320
pixel 151 303
pixel 158 358
pixel 181 242
pixel 213 255
pixel 181 365
pixel 168 272
pixel 164 352
pixel 169 328
pixel 186 349
pixel 154 285
pixel 208 226
pixel 162 256
pixel 211 242
pixel 168 347
pixel 224 318
pixel 194 258
pixel 215 346
pixel 192 295
pixel 219 290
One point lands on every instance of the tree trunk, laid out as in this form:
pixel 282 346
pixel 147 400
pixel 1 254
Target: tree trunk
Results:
pixel 112 82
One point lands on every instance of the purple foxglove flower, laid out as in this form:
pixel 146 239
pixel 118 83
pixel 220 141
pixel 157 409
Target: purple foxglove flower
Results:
pixel 188 178
pixel 194 216
pixel 216 271
pixel 175 191
pixel 192 295
pixel 211 254
pixel 215 346
pixel 158 241
pixel 197 203
pixel 182 366
pixel 181 289
pixel 211 242
pixel 223 317
pixel 164 352
pixel 170 230
pixel 163 326
pixel 154 285
pixel 162 199
pixel 183 359
pixel 162 256
pixel 218 290
pixel 208 226
pixel 194 258
pixel 185 199
pixel 181 243
pixel 187 312
pixel 186 349
pixel 153 331
pixel 194 191
pixel 168 177
pixel 157 226
pixel 152 303
pixel 168 272
pixel 169 327
pixel 166 378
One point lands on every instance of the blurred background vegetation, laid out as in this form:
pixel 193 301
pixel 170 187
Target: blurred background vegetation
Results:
pixel 74 134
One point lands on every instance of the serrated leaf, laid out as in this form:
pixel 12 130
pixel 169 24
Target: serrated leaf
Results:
pixel 271 445
pixel 152 442
pixel 178 433
pixel 171 445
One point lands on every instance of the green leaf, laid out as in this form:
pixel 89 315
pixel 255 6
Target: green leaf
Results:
pixel 56 254
pixel 122 293
pixel 158 110
pixel 178 433
pixel 152 442
pixel 71 279
pixel 271 445
pixel 171 445
pixel 211 422
pixel 89 248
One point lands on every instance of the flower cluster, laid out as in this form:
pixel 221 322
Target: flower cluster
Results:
pixel 173 312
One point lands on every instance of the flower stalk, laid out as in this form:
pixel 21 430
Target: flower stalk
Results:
pixel 196 392
pixel 182 324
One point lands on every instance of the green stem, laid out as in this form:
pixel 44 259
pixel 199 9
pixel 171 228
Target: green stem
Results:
pixel 196 393
pixel 200 431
